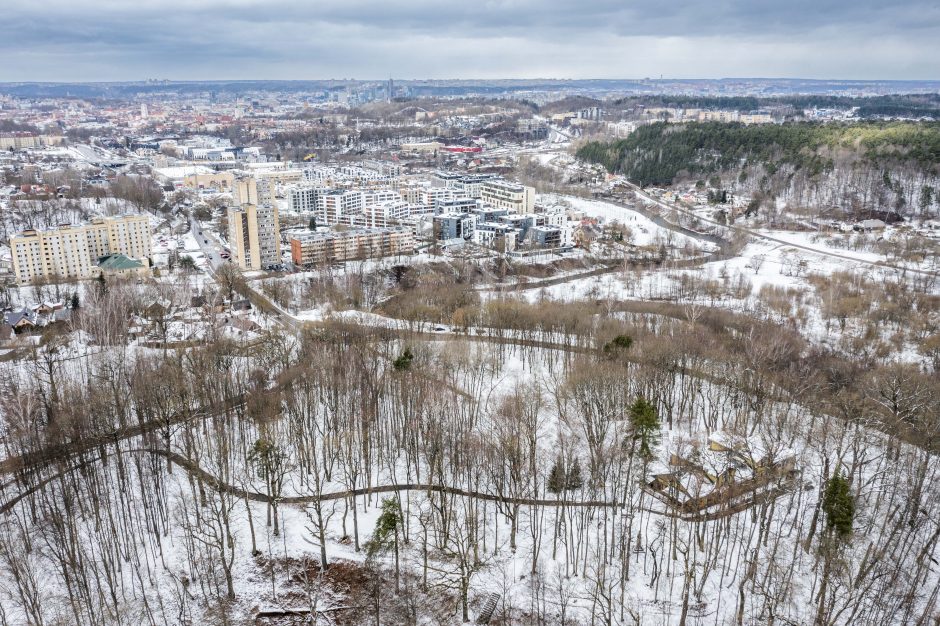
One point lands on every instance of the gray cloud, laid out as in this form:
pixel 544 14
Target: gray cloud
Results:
pixel 118 40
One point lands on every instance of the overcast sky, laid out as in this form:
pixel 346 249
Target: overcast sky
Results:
pixel 106 40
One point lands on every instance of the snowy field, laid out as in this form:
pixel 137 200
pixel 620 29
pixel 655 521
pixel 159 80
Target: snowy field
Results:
pixel 645 232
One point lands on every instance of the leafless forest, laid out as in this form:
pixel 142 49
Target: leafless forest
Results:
pixel 359 474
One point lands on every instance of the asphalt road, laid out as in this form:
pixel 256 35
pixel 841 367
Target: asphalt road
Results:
pixel 207 244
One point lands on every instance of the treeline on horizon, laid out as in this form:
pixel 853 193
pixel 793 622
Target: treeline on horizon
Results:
pixel 657 153
pixel 894 105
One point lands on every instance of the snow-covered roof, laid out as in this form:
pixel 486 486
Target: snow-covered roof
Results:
pixel 178 172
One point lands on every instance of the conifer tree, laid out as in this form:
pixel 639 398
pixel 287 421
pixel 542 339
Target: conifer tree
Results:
pixel 645 422
pixel 403 362
pixel 102 284
pixel 839 505
pixel 385 534
pixel 556 477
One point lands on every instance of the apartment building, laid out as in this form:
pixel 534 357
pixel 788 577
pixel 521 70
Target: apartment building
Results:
pixel 510 196
pixel 251 190
pixel 269 234
pixel 718 116
pixel 128 235
pixel 756 118
pixel 377 196
pixel 337 203
pixel 450 226
pixel 431 196
pixel 533 128
pixel 303 199
pixel 378 215
pixel 19 140
pixel 254 236
pixel 545 236
pixel 412 193
pixel 456 205
pixel 72 251
pixel 351 176
pixel 385 168
pixel 494 235
pixel 464 185
pixel 310 249
pixel 254 230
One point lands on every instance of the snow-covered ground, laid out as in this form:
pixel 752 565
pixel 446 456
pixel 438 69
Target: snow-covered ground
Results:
pixel 644 231
pixel 571 547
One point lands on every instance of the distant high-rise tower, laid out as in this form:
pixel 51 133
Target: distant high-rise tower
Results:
pixel 144 111
pixel 390 89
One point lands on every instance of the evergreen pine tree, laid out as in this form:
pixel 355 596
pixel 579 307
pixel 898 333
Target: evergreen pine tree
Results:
pixel 618 344
pixel 75 302
pixel 645 425
pixel 839 505
pixel 386 527
pixel 403 362
pixel 102 284
pixel 313 223
pixel 556 477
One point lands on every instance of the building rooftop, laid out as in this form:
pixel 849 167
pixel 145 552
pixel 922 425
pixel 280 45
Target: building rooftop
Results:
pixel 118 263
pixel 317 236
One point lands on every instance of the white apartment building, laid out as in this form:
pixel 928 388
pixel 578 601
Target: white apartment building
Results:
pixel 378 215
pixel 466 185
pixel 376 196
pixel 335 204
pixel 269 234
pixel 432 196
pixel 302 199
pixel 385 168
pixel 350 176
pixel 470 187
pixel 71 252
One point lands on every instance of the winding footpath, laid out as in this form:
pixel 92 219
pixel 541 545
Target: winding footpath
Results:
pixel 217 484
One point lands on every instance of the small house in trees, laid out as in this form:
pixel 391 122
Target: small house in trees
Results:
pixel 45 309
pixel 60 316
pixel 751 454
pixel 157 309
pixel 241 305
pixel 22 320
pixel 241 324
pixel 868 226
pixel 667 480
